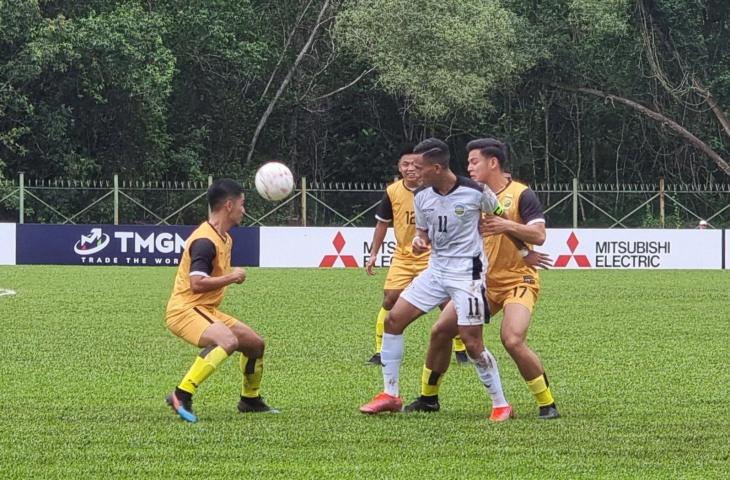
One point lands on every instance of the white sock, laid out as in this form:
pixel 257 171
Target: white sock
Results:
pixel 391 356
pixel 486 366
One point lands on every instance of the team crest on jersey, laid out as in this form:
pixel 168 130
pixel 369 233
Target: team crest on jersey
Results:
pixel 507 202
pixel 459 210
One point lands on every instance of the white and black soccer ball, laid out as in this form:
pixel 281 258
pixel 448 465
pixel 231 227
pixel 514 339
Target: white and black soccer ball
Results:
pixel 274 181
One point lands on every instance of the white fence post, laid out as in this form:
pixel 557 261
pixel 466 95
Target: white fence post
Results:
pixel 116 199
pixel 575 203
pixel 304 201
pixel 21 197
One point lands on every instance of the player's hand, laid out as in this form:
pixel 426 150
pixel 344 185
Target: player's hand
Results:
pixel 493 225
pixel 538 260
pixel 419 245
pixel 369 266
pixel 238 275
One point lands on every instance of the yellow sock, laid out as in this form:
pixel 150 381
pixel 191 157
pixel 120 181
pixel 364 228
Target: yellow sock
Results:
pixel 541 390
pixel 459 345
pixel 380 329
pixel 253 370
pixel 205 364
pixel 430 382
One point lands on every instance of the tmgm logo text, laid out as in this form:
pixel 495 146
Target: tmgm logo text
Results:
pixel 97 241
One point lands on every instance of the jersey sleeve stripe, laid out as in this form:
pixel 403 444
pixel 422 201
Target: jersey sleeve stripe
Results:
pixel 198 274
pixel 536 220
pixel 381 219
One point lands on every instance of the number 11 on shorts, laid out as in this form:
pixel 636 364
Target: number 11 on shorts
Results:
pixel 474 307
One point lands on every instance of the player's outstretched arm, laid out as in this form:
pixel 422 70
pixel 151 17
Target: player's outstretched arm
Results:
pixel 378 236
pixel 533 234
pixel 202 284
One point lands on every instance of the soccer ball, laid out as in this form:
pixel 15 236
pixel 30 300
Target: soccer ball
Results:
pixel 274 181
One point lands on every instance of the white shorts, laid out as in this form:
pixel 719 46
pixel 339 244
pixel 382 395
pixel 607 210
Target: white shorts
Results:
pixel 430 289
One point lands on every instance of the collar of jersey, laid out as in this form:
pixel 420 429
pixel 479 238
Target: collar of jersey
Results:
pixel 412 190
pixel 216 231
pixel 459 182
pixel 509 182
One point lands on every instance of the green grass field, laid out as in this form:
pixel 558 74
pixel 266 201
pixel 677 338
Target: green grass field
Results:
pixel 638 363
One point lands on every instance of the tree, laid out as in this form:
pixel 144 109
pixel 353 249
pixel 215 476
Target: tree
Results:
pixel 87 94
pixel 448 57
pixel 679 46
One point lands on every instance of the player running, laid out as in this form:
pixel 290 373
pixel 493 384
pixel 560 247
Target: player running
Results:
pixel 192 311
pixel 513 284
pixel 447 211
pixel 397 207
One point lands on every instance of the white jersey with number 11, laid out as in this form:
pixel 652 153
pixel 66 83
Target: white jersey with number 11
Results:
pixel 452 222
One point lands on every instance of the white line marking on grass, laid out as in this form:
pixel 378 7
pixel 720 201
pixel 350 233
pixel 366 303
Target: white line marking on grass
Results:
pixel 6 292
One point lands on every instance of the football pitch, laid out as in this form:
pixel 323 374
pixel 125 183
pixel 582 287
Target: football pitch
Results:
pixel 638 362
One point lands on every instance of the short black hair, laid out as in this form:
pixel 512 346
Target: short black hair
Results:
pixel 434 150
pixel 491 147
pixel 405 150
pixel 221 190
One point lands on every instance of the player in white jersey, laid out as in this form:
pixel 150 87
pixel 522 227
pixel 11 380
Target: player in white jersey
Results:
pixel 448 209
pixel 512 278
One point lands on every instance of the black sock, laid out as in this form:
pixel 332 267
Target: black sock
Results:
pixel 183 395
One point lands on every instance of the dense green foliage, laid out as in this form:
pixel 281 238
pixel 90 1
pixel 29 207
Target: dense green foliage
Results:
pixel 432 58
pixel 172 89
pixel 636 366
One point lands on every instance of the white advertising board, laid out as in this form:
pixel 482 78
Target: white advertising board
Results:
pixel 634 249
pixel 347 247
pixel 726 234
pixel 570 249
pixel 7 244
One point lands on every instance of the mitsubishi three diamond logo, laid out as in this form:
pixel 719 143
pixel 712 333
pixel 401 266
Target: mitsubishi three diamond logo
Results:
pixel 329 260
pixel 581 260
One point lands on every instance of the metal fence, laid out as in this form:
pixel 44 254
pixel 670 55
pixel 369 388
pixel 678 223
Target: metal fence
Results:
pixel 656 205
pixel 130 201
